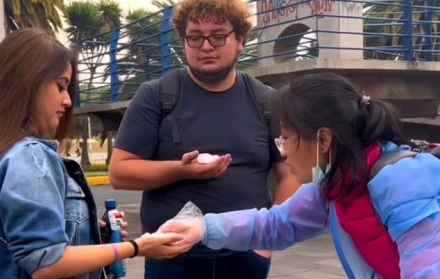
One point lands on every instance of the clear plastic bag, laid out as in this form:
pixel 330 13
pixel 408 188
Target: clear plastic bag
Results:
pixel 188 211
pixel 189 222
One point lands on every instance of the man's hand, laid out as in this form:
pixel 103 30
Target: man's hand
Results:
pixel 194 170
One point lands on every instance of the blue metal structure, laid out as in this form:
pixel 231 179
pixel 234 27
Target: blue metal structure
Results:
pixel 111 71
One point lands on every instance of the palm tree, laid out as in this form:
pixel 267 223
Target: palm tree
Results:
pixel 143 47
pixel 144 28
pixel 388 19
pixel 143 52
pixel 91 23
pixel 45 14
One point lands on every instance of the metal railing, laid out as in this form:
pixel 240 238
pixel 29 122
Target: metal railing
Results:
pixel 113 65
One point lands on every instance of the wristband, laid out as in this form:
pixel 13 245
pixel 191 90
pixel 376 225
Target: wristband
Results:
pixel 115 252
pixel 136 248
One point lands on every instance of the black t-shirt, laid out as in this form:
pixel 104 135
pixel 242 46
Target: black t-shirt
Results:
pixel 217 123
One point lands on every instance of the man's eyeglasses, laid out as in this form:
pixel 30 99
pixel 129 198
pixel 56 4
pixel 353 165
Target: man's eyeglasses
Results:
pixel 197 41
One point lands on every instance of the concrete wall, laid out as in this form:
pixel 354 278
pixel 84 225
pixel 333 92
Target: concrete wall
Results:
pixel 284 22
pixel 411 86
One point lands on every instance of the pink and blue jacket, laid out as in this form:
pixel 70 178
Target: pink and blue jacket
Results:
pixel 389 231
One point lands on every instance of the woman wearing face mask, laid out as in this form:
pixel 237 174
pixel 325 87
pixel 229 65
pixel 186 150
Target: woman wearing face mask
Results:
pixel 384 220
pixel 48 222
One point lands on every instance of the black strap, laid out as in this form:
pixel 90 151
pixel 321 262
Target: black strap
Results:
pixel 389 159
pixel 136 248
pixel 259 91
pixel 170 85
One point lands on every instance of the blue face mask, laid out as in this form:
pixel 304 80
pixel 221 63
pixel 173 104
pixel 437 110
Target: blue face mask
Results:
pixel 317 173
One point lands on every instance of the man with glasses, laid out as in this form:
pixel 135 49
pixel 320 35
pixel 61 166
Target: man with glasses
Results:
pixel 215 114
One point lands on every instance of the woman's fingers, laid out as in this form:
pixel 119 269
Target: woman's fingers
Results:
pixel 165 238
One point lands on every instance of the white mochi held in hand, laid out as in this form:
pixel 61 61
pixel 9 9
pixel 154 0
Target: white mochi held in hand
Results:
pixel 214 158
pixel 206 158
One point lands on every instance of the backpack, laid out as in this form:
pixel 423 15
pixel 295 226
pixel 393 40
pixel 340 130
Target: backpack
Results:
pixel 170 88
pixel 390 158
pixel 417 147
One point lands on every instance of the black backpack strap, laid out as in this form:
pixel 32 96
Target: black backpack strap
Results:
pixel 170 85
pixel 389 159
pixel 259 91
pixel 436 152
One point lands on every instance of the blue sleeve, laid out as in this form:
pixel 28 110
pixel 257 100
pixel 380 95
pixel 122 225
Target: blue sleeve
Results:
pixel 32 207
pixel 301 217
pixel 405 196
pixel 137 133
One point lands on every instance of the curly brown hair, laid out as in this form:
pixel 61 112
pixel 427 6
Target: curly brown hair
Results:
pixel 219 11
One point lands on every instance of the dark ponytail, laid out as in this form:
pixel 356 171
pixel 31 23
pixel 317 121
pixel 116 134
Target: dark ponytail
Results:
pixel 378 121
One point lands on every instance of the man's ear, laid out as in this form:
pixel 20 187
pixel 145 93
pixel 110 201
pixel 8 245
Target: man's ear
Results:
pixel 240 41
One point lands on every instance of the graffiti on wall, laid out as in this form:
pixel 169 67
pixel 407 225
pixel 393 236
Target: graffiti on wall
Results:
pixel 320 7
pixel 353 8
pixel 275 11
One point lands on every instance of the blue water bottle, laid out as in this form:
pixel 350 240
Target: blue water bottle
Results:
pixel 112 234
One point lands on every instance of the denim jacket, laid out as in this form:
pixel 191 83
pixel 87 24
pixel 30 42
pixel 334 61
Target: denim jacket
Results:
pixel 45 205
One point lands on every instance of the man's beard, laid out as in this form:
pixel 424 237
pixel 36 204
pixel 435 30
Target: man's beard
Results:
pixel 212 76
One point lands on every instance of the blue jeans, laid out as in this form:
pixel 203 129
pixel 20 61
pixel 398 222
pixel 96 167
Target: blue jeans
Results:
pixel 244 265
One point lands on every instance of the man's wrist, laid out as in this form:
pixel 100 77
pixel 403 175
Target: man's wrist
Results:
pixel 180 170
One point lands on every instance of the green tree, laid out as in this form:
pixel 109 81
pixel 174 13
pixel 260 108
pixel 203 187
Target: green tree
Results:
pixel 91 23
pixel 142 49
pixel 45 14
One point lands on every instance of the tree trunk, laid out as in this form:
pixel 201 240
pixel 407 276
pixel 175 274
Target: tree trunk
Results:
pixel 85 160
pixel 109 147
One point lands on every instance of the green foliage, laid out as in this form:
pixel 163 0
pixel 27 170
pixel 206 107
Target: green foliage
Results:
pixel 95 168
pixel 44 14
pixel 384 27
pixel 139 57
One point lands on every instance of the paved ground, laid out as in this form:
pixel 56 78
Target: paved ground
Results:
pixel 310 260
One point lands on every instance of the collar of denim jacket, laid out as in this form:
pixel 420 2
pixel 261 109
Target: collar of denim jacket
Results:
pixel 52 144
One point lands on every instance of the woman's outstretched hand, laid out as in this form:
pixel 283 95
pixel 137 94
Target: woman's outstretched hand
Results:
pixel 192 229
pixel 160 245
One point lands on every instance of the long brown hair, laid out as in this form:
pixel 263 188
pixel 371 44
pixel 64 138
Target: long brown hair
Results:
pixel 28 59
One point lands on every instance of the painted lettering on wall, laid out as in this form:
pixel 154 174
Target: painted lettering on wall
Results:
pixel 277 10
pixel 320 7
pixel 353 8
